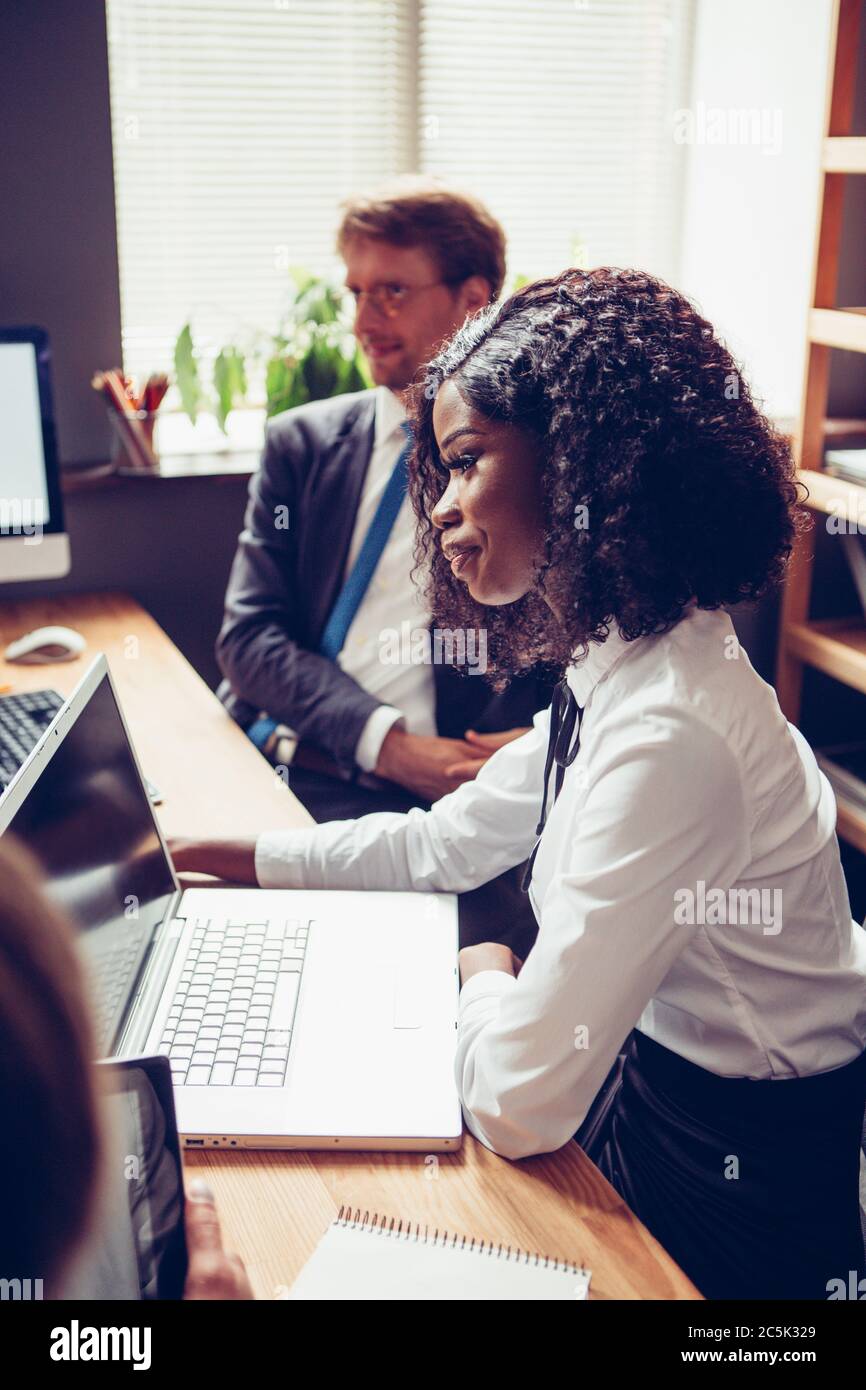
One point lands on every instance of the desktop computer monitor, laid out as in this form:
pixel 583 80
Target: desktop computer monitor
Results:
pixel 33 544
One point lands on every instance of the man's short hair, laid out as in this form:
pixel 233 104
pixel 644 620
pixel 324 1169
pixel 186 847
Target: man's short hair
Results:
pixel 454 228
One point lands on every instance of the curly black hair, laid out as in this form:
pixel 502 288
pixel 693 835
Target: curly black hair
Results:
pixel 642 418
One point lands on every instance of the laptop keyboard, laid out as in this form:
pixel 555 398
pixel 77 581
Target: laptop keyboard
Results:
pixel 230 1022
pixel 23 720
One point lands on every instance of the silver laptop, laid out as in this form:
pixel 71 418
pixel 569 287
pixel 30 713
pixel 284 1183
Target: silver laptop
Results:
pixel 291 1019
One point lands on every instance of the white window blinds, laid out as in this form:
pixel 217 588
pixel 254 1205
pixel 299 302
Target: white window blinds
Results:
pixel 560 116
pixel 239 125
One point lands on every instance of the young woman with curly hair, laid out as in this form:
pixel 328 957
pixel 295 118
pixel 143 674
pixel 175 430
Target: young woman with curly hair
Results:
pixel 593 482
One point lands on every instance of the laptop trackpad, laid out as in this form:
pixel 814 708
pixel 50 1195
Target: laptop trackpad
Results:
pixel 409 998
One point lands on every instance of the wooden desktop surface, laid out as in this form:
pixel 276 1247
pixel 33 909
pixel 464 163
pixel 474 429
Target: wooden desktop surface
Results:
pixel 274 1206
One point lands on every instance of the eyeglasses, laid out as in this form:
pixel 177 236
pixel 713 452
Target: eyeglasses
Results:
pixel 389 299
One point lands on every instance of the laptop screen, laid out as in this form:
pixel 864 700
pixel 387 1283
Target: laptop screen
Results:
pixel 89 823
pixel 135 1247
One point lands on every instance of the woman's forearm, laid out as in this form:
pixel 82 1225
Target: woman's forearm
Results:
pixel 467 838
pixel 233 860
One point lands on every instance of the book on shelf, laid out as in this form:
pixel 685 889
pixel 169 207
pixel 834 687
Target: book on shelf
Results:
pixel 844 766
pixel 849 464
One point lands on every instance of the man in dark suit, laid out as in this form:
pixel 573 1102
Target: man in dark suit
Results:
pixel 320 643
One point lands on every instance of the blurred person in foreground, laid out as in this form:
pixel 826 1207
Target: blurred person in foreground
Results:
pixel 53 1151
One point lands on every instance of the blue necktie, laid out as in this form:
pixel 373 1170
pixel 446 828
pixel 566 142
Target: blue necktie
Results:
pixel 350 596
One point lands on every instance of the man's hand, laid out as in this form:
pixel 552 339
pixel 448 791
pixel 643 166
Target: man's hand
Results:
pixel 420 763
pixel 489 955
pixel 234 860
pixel 483 747
pixel 211 1273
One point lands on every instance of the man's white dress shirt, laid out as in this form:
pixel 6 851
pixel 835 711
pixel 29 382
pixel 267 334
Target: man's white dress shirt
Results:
pixel 689 783
pixel 391 605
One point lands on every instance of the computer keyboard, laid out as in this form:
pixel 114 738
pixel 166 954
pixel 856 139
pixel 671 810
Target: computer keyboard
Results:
pixel 230 1022
pixel 23 720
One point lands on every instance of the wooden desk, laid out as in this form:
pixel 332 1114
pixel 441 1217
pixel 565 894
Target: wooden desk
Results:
pixel 275 1206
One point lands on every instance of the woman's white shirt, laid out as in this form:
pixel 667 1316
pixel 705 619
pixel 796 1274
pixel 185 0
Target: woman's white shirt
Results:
pixel 688 883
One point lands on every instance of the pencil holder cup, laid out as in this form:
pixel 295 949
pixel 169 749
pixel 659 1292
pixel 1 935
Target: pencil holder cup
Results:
pixel 133 447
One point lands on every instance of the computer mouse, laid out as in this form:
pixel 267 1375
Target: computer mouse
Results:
pixel 44 645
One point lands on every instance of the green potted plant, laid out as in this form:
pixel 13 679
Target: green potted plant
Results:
pixel 312 355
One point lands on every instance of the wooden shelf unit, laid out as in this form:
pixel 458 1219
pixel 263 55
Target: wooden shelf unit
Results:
pixel 845 154
pixel 838 328
pixel 835 646
pixel 851 824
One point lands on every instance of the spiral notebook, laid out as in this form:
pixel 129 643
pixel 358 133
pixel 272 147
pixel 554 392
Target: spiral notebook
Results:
pixel 379 1257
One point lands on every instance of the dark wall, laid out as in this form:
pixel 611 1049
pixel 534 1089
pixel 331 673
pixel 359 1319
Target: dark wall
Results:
pixel 58 244
pixel 167 542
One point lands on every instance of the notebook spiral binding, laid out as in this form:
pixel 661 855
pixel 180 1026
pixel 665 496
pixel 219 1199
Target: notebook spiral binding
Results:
pixel 407 1230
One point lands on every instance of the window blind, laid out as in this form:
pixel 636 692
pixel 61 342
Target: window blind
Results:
pixel 560 115
pixel 238 126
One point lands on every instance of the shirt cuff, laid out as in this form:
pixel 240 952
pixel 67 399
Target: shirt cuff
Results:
pixel 369 745
pixel 285 749
pixel 485 988
pixel 280 856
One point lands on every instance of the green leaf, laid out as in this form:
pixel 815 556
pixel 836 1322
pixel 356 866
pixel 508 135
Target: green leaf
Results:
pixel 186 374
pixel 301 278
pixel 320 366
pixel 317 303
pixel 284 385
pixel 230 382
pixel 313 354
pixel 276 379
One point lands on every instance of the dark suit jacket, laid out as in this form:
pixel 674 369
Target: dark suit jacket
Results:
pixel 285 580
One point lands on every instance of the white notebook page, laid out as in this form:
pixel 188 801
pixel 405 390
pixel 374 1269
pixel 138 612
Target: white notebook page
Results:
pixel 354 1261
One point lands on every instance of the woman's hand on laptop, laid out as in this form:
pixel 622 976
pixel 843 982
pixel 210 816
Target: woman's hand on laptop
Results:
pixel 211 1273
pixel 233 860
pixel 488 955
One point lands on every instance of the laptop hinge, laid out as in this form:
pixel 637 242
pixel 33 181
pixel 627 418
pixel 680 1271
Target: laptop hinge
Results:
pixel 141 1012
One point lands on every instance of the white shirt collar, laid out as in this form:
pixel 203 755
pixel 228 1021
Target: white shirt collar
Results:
pixel 586 672
pixel 390 414
pixel 584 675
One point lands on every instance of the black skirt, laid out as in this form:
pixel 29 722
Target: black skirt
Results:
pixel 751 1186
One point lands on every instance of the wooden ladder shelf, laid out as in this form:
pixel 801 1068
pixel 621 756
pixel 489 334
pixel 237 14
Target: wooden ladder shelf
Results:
pixel 836 646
